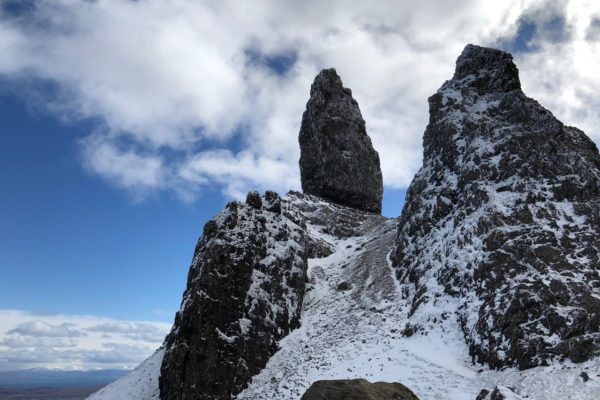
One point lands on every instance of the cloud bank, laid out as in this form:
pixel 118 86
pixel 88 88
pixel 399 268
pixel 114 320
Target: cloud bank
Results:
pixel 29 340
pixel 185 95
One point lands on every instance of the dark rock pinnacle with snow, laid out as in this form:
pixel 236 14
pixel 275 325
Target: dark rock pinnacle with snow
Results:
pixel 500 229
pixel 244 293
pixel 337 159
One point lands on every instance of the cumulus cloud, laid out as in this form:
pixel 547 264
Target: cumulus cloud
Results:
pixel 44 329
pixel 191 94
pixel 136 171
pixel 138 331
pixel 75 342
pixel 19 342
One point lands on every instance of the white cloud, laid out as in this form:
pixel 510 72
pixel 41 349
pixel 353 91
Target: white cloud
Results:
pixel 75 342
pixel 136 171
pixel 185 98
pixel 139 331
pixel 44 329
pixel 19 342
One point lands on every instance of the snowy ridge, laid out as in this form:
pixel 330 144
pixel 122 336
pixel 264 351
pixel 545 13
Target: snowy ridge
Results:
pixel 358 333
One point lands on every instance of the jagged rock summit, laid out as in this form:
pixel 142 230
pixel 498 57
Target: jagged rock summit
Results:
pixel 337 159
pixel 487 70
pixel 500 227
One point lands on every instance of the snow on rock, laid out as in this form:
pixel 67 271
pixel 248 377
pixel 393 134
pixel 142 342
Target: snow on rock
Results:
pixel 244 293
pixel 494 263
pixel 139 384
pixel 358 333
pixel 500 227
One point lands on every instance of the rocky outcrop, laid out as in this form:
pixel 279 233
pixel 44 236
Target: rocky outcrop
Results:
pixel 358 389
pixel 244 293
pixel 499 393
pixel 337 159
pixel 497 241
pixel 500 226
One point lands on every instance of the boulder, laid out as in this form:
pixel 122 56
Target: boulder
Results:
pixel 358 389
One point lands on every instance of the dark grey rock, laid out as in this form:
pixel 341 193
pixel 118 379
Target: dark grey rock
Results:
pixel 272 202
pixel 337 159
pixel 499 393
pixel 245 290
pixel 505 216
pixel 253 199
pixel 244 293
pixel 487 69
pixel 358 389
pixel 584 375
pixel 343 286
pixel 318 248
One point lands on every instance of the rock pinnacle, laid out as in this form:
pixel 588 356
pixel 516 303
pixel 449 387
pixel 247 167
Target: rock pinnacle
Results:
pixel 337 159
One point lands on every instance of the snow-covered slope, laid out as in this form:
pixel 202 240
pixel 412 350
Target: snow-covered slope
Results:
pixel 357 333
pixel 139 384
pixel 493 266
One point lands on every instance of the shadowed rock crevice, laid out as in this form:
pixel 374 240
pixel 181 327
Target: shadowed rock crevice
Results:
pixel 337 159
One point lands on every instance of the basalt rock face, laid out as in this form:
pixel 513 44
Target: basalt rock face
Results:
pixel 500 228
pixel 337 159
pixel 244 293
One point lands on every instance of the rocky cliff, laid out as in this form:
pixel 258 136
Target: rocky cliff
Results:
pixel 244 293
pixel 337 159
pixel 500 226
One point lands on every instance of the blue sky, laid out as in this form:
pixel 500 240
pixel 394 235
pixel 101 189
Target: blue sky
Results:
pixel 127 125
pixel 70 243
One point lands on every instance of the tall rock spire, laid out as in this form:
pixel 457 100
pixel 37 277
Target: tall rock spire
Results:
pixel 499 232
pixel 337 159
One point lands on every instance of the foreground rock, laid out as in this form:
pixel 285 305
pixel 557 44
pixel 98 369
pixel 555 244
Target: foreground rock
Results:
pixel 358 389
pixel 501 224
pixel 244 293
pixel 337 159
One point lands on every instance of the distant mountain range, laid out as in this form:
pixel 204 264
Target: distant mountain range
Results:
pixel 57 379
pixel 47 393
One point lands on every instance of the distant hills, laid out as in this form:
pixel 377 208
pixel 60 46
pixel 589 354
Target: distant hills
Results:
pixel 47 393
pixel 55 379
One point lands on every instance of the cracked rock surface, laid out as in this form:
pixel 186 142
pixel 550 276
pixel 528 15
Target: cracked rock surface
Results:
pixel 500 227
pixel 337 159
